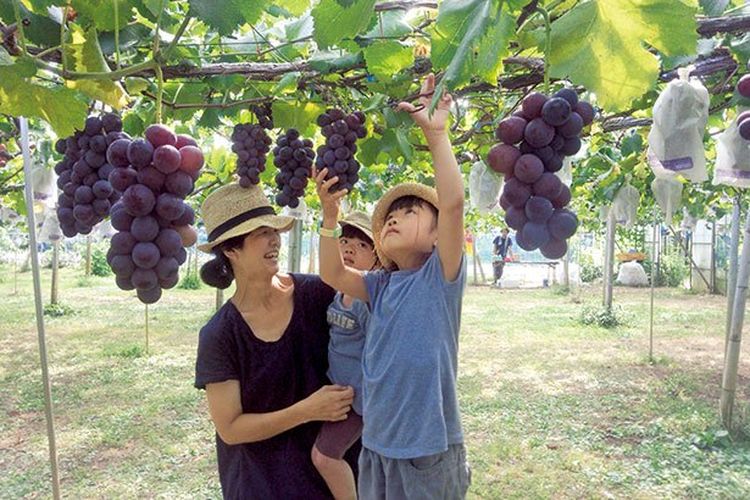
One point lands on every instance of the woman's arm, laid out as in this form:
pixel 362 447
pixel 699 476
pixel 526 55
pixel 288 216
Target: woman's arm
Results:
pixel 330 403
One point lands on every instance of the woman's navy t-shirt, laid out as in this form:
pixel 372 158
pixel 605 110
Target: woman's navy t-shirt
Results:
pixel 272 376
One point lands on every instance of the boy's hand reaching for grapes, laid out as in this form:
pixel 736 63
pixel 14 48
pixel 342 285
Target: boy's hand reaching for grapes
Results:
pixel 329 201
pixel 439 119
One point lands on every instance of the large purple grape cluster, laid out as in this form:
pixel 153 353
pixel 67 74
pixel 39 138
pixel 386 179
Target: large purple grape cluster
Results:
pixel 293 156
pixel 264 114
pixel 251 144
pixel 533 143
pixel 154 175
pixel 337 154
pixel 83 175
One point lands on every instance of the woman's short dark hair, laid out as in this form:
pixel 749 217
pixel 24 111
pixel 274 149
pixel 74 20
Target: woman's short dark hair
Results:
pixel 218 272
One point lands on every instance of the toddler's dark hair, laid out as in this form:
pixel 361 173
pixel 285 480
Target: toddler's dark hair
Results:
pixel 352 232
pixel 412 201
pixel 218 272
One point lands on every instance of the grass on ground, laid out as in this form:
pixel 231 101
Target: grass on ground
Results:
pixel 551 408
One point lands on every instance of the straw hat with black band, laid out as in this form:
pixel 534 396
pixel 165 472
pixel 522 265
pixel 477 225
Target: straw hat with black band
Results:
pixel 232 211
pixel 421 191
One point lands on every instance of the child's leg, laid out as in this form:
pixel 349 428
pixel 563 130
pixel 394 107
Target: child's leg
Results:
pixel 328 453
pixel 337 475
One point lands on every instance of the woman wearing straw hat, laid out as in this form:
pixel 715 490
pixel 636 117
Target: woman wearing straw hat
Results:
pixel 262 358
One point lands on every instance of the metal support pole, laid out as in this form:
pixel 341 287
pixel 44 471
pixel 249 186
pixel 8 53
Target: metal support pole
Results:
pixel 295 246
pixel 609 259
pixel 732 358
pixel 732 274
pixel 30 219
pixel 653 288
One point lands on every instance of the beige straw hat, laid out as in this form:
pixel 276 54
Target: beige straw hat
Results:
pixel 233 211
pixel 360 220
pixel 426 193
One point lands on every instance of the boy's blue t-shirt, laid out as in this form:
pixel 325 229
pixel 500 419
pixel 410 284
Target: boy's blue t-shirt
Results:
pixel 347 342
pixel 410 361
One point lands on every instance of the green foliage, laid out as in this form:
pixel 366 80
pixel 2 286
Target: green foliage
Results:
pixel 602 317
pixel 589 271
pixel 99 266
pixel 334 21
pixel 594 45
pixel 191 281
pixel 128 352
pixel 672 270
pixel 84 281
pixel 58 310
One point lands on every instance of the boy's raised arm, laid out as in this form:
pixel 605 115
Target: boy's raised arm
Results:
pixel 448 180
pixel 332 269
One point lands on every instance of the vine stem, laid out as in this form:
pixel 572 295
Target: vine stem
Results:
pixel 19 25
pixel 157 69
pixel 117 34
pixel 547 45
pixel 159 92
pixel 63 23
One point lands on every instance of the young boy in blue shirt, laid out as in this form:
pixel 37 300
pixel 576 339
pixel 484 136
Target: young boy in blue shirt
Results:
pixel 412 438
pixel 347 318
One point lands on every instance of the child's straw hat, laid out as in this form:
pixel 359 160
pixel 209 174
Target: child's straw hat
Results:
pixel 426 193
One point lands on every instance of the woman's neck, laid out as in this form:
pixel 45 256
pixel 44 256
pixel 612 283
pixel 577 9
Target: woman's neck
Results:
pixel 254 293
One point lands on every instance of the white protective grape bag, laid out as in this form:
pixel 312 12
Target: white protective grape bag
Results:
pixel 675 141
pixel 668 194
pixel 484 187
pixel 50 230
pixel 732 158
pixel 625 205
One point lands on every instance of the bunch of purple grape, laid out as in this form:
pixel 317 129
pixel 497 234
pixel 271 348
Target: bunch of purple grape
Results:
pixel 534 141
pixel 251 144
pixel 155 175
pixel 264 114
pixel 743 124
pixel 293 156
pixel 337 154
pixel 87 194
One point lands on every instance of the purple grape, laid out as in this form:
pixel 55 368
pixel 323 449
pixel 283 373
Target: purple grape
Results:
pixel 138 200
pixel 556 111
pixel 535 234
pixel 140 153
pixel 562 224
pixel 539 209
pixel 145 255
pixel 528 168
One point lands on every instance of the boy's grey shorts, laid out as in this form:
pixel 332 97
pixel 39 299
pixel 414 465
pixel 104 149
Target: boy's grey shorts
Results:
pixel 444 475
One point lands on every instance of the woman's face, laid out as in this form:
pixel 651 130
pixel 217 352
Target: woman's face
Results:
pixel 259 254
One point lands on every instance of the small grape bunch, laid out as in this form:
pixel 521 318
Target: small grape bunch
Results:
pixel 251 144
pixel 533 143
pixel 83 175
pixel 264 114
pixel 743 124
pixel 293 156
pixel 337 154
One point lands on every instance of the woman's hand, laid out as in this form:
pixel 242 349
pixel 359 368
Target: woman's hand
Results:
pixel 436 123
pixel 330 403
pixel 329 201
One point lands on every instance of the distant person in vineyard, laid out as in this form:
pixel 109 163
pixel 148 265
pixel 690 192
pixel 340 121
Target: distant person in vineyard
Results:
pixel 502 247
pixel 348 319
pixel 412 438
pixel 262 358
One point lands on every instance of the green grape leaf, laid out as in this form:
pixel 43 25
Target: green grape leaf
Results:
pixel 102 12
pixel 60 107
pixel 85 55
pixel 38 28
pixel 301 116
pixel 714 7
pixel 334 22
pixel 225 16
pixel 386 58
pixel 600 45
pixel 470 38
pixel 294 7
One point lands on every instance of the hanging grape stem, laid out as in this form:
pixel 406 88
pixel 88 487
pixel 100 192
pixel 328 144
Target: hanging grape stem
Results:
pixel 547 45
pixel 157 65
pixel 117 34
